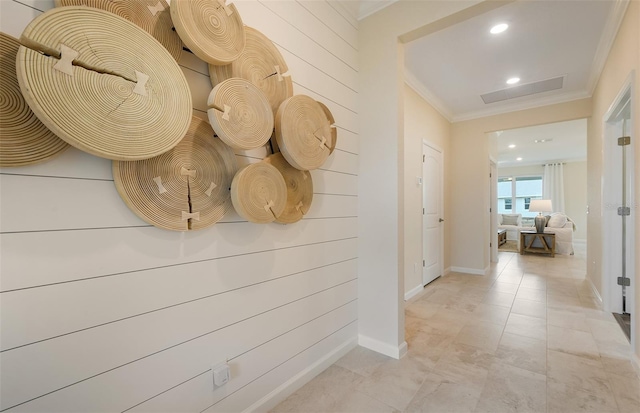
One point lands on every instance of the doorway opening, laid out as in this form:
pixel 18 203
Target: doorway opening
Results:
pixel 618 192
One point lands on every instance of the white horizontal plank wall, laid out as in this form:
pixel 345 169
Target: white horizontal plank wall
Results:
pixel 101 311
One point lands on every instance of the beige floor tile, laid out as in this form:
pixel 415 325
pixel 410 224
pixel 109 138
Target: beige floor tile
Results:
pixel 428 348
pixel 395 382
pixel 511 389
pixel 534 282
pixel 491 313
pixel 362 361
pixel 464 365
pixel 529 308
pixel 578 372
pixel 524 352
pixel 445 322
pixel 481 334
pixel 563 300
pixel 567 319
pixel 321 393
pixel 499 299
pixel 438 394
pixel 620 366
pixel 579 343
pixel 607 332
pixel 509 278
pixel 564 399
pixel 526 326
pixel 357 402
pixel 532 294
pixel 422 309
pixel 502 287
pixel 627 392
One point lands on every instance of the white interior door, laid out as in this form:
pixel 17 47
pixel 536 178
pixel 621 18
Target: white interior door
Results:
pixel 432 235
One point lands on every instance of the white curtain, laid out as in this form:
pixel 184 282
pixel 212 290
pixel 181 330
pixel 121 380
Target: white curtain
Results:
pixel 553 186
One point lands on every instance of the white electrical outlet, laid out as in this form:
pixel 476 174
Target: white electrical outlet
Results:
pixel 221 374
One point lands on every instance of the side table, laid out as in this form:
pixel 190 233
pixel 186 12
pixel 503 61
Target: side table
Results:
pixel 547 244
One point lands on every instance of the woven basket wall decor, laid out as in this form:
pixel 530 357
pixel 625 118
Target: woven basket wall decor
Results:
pixel 240 114
pixel 299 190
pixel 24 140
pixel 261 64
pixel 334 130
pixel 212 30
pixel 103 84
pixel 186 188
pixel 259 193
pixel 303 132
pixel 151 15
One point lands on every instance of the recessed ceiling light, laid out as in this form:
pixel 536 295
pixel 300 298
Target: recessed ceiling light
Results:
pixel 543 140
pixel 513 80
pixel 499 28
pixel 518 159
pixel 512 146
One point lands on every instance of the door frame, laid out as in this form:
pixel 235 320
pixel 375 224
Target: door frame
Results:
pixel 493 209
pixel 441 259
pixel 610 289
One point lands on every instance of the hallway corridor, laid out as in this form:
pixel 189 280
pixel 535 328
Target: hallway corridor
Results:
pixel 530 337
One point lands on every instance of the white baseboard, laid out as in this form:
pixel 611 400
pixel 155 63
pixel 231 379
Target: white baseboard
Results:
pixel 287 388
pixel 473 271
pixel 383 348
pixel 413 292
pixel 595 290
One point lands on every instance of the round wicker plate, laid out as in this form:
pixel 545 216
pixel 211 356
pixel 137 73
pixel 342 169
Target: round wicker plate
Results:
pixel 151 15
pixel 184 189
pixel 103 84
pixel 210 29
pixel 261 64
pixel 259 193
pixel 299 190
pixel 240 114
pixel 334 130
pixel 24 140
pixel 303 132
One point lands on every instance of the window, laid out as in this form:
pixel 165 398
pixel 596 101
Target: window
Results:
pixel 516 192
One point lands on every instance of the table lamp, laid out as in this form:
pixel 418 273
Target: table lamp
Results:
pixel 540 205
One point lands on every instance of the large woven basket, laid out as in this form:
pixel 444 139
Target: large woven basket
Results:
pixel 261 64
pixel 151 15
pixel 103 84
pixel 299 190
pixel 210 29
pixel 240 114
pixel 303 132
pixel 184 189
pixel 24 140
pixel 259 193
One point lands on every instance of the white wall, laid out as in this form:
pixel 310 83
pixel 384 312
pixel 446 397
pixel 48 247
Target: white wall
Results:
pixel 102 312
pixel 575 191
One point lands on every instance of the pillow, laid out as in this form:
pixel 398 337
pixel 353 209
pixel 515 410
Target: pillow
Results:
pixel 510 220
pixel 557 221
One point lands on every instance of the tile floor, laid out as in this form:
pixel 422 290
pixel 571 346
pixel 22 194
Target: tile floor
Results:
pixel 530 337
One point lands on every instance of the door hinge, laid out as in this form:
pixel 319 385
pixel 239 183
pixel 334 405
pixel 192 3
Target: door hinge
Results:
pixel 422 158
pixel 422 211
pixel 624 141
pixel 624 211
pixel 624 281
pixel 423 263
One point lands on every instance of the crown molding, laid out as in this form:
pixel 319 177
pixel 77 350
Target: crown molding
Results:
pixel 607 39
pixel 530 104
pixel 372 6
pixel 426 94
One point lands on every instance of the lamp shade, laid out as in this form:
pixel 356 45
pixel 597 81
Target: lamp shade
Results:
pixel 540 205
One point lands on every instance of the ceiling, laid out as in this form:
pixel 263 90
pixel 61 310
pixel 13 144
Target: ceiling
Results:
pixel 557 142
pixel 567 40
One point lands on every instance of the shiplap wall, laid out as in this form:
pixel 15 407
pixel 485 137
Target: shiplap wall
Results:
pixel 103 312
